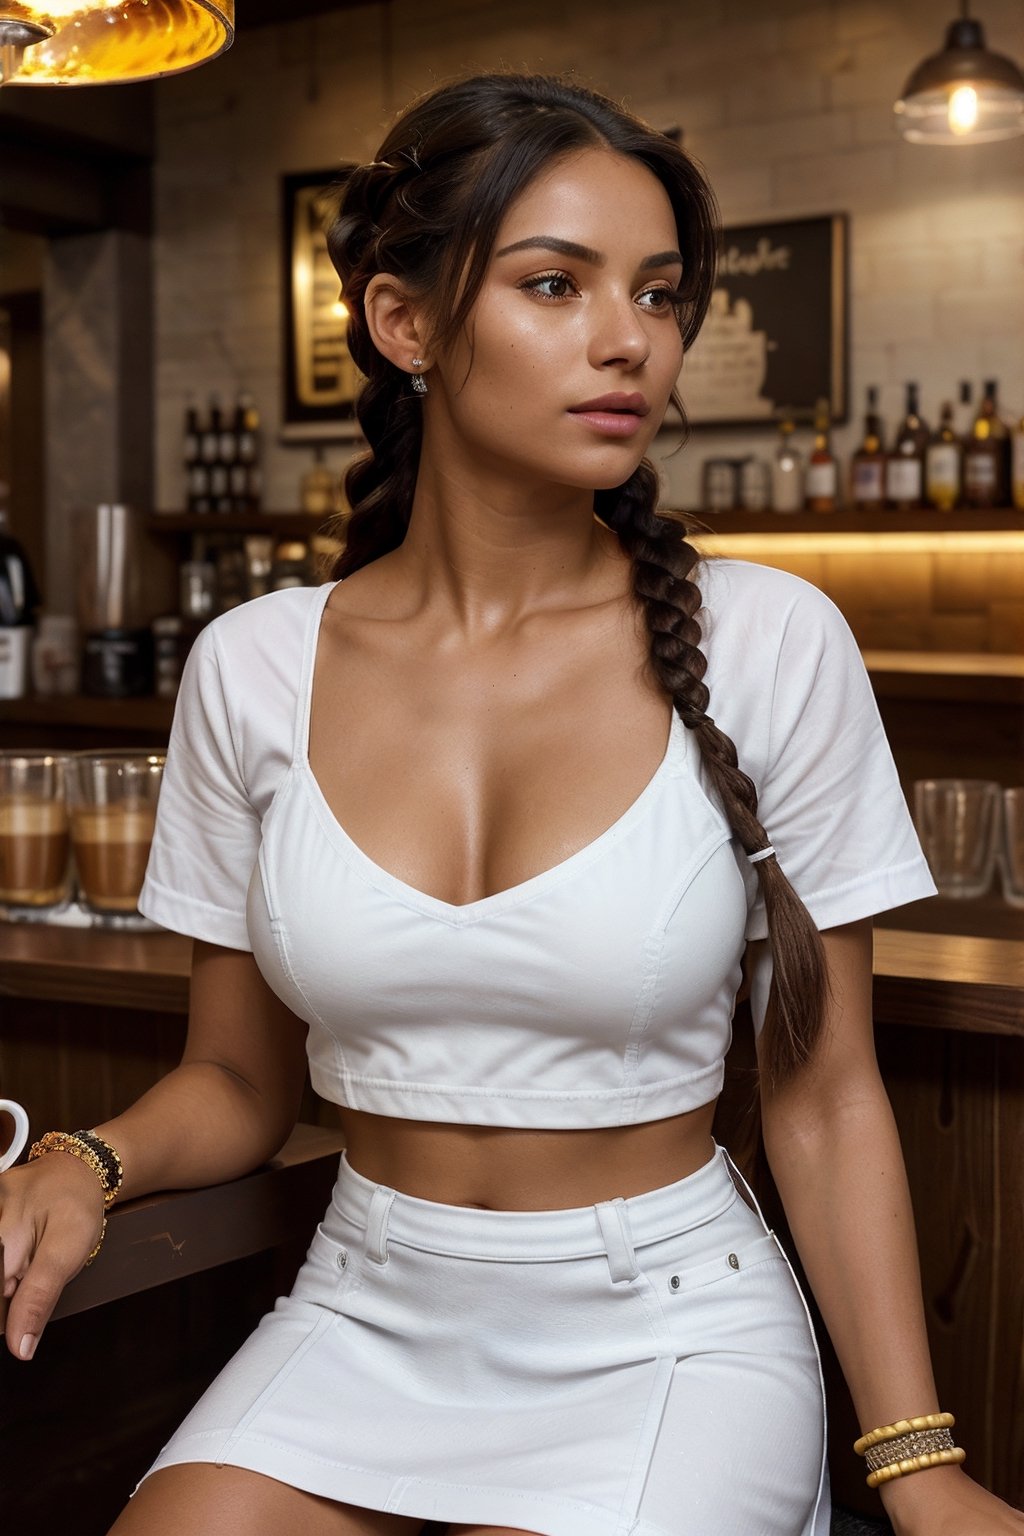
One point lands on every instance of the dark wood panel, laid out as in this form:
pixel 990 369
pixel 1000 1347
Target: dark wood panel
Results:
pixel 958 1101
pixel 95 965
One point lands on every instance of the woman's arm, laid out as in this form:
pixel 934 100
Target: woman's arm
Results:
pixel 233 1100
pixel 228 1106
pixel 834 1151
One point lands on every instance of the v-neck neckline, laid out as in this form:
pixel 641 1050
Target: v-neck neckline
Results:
pixel 456 913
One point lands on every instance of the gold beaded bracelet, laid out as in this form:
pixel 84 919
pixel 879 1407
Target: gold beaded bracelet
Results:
pixel 98 1155
pixel 909 1445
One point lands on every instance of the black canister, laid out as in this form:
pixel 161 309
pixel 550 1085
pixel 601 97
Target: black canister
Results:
pixel 118 664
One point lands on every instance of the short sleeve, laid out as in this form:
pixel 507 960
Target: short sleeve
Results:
pixel 830 798
pixel 207 831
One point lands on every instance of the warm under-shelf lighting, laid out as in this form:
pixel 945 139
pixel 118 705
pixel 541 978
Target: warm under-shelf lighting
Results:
pixel 963 95
pixel 781 545
pixel 95 42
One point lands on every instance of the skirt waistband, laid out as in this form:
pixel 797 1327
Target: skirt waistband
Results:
pixel 577 1232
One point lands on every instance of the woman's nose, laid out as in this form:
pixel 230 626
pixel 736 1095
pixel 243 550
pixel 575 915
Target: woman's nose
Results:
pixel 618 336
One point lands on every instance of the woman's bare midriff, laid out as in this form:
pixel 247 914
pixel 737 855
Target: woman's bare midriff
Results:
pixel 498 1168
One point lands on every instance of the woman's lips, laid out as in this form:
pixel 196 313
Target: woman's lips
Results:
pixel 616 414
pixel 610 423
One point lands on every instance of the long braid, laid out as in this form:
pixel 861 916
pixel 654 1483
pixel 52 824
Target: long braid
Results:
pixel 662 565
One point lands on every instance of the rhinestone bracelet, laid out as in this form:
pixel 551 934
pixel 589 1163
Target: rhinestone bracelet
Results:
pixel 902 1446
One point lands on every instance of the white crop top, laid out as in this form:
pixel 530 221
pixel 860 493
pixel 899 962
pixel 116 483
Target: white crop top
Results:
pixel 600 992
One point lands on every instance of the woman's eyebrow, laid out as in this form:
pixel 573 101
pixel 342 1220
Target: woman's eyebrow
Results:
pixel 584 252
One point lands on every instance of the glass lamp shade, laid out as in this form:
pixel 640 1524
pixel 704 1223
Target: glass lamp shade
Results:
pixel 963 95
pixel 96 42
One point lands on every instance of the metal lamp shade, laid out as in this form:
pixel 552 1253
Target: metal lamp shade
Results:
pixel 937 105
pixel 95 42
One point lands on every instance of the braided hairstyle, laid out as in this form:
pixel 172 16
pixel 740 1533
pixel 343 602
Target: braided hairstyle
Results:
pixel 428 210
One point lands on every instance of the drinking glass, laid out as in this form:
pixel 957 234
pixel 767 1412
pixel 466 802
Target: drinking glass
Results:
pixel 958 823
pixel 1012 847
pixel 113 799
pixel 35 847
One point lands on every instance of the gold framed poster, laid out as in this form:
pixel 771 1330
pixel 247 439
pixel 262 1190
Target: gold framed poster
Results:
pixel 320 379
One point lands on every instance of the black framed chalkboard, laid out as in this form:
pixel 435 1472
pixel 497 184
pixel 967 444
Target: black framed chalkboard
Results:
pixel 776 336
pixel 320 379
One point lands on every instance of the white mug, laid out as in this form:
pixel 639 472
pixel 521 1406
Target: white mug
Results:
pixel 17 1146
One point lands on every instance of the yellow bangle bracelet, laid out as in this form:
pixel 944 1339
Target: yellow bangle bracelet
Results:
pixel 916 1464
pixel 90 1149
pixel 903 1427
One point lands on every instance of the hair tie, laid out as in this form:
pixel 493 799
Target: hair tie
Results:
pixel 762 853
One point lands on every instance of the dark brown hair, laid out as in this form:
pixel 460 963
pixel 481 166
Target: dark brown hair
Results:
pixel 428 210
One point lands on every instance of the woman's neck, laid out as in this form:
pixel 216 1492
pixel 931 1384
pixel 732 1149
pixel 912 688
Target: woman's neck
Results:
pixel 489 551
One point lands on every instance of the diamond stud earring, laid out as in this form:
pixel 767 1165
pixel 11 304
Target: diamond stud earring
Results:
pixel 419 383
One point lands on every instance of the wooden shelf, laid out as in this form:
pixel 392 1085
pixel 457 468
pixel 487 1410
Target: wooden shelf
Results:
pixel 996 519
pixel 145 713
pixel 299 523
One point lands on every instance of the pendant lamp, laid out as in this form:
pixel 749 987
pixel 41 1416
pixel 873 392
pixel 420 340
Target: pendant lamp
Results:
pixel 96 42
pixel 963 95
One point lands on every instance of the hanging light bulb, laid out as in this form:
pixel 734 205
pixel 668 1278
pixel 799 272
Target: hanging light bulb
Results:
pixel 963 95
pixel 96 42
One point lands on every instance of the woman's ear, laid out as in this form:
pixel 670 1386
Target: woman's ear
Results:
pixel 392 318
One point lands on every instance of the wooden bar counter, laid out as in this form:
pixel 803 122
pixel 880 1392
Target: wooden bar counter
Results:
pixel 89 1019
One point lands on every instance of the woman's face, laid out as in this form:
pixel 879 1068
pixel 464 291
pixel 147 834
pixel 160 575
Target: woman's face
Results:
pixel 574 309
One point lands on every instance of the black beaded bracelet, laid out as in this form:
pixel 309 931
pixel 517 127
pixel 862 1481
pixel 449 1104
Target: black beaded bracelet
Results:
pixel 107 1156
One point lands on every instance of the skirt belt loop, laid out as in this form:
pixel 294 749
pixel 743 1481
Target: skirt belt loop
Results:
pixel 618 1240
pixel 381 1202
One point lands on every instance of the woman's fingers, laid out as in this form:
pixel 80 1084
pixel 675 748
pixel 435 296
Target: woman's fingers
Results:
pixel 58 1256
pixel 50 1221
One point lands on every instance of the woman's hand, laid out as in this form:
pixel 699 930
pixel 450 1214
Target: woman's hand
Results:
pixel 944 1501
pixel 51 1216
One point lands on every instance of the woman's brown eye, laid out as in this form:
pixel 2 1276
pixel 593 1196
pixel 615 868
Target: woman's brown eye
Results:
pixel 537 285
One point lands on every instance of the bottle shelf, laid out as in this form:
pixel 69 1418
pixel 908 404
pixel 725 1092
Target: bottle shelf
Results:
pixel 299 523
pixel 965 520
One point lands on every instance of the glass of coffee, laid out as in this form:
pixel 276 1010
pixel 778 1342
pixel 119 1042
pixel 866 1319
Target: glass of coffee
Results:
pixel 35 845
pixel 113 799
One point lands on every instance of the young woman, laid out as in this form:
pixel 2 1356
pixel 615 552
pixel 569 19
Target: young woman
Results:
pixel 460 826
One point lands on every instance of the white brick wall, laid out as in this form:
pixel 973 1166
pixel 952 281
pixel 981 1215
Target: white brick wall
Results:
pixel 786 102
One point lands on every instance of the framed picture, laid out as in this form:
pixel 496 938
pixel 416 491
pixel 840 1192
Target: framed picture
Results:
pixel 775 337
pixel 320 378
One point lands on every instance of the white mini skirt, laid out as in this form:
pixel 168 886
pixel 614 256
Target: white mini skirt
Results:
pixel 640 1367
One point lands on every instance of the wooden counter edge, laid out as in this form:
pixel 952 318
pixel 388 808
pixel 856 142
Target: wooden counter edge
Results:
pixel 168 1236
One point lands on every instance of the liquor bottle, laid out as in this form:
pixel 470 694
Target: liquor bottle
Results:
pixel 943 465
pixel 245 475
pixel 965 410
pixel 209 439
pixel 318 490
pixel 986 456
pixel 227 453
pixel 823 470
pixel 867 487
pixel 904 472
pixel 787 472
pixel 197 483
pixel 1018 466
